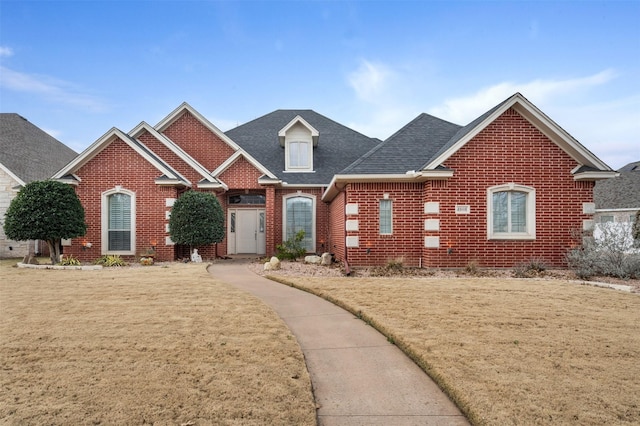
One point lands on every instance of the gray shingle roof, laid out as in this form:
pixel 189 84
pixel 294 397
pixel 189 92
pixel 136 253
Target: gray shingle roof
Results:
pixel 338 146
pixel 407 149
pixel 415 145
pixel 29 152
pixel 463 131
pixel 622 192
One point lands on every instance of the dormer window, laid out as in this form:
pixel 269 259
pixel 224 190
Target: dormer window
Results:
pixel 300 155
pixel 298 139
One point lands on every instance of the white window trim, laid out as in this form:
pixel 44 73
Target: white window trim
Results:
pixel 104 211
pixel 313 218
pixel 530 233
pixel 289 167
pixel 390 217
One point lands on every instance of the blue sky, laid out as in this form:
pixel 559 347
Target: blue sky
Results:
pixel 76 69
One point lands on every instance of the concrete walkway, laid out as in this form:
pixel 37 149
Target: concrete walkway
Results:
pixel 358 377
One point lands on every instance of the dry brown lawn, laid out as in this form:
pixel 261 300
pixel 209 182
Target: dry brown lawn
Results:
pixel 509 351
pixel 149 345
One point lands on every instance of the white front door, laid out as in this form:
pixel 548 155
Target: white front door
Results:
pixel 249 235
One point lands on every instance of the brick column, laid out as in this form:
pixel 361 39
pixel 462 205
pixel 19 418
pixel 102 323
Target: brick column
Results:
pixel 270 220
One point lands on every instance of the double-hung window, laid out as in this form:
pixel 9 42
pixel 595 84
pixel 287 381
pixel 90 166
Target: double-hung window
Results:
pixel 511 212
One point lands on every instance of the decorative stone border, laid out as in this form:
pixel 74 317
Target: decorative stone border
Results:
pixel 77 268
pixel 619 287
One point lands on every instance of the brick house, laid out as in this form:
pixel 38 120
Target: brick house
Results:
pixel 509 186
pixel 27 154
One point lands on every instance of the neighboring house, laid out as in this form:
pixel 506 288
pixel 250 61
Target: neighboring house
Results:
pixel 618 200
pixel 27 154
pixel 509 186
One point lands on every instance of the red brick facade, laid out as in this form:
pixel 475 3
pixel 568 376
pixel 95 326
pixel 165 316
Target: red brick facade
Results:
pixel 198 141
pixel 404 242
pixel 119 165
pixel 509 150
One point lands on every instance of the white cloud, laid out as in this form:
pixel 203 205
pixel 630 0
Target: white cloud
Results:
pixel 51 89
pixel 462 110
pixel 381 93
pixel 370 80
pixel 6 51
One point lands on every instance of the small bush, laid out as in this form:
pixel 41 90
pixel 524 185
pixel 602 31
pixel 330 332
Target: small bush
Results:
pixel 472 268
pixel 69 261
pixel 292 248
pixel 392 267
pixel 146 261
pixel 111 260
pixel 610 254
pixel 531 268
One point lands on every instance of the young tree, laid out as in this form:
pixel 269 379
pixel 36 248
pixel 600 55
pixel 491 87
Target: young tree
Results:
pixel 196 220
pixel 45 210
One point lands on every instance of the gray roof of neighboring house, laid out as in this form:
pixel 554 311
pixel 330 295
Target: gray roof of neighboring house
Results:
pixel 29 152
pixel 622 192
pixel 338 146
pixel 407 149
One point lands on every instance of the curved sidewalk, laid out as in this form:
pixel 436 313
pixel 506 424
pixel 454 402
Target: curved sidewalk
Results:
pixel 358 377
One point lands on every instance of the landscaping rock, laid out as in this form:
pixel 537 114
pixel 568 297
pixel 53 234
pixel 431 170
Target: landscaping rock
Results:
pixel 314 260
pixel 327 259
pixel 272 265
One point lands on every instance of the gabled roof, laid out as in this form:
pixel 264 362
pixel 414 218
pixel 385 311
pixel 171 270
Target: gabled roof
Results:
pixel 340 145
pixel 185 107
pixel 168 175
pixel 208 178
pixel 27 152
pixel 622 192
pixel 299 120
pixel 242 154
pixel 427 142
pixel 536 117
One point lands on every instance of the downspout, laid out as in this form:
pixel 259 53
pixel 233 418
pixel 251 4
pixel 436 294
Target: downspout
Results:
pixel 347 268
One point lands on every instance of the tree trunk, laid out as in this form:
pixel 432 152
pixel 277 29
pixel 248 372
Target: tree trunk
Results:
pixel 54 251
pixel 31 256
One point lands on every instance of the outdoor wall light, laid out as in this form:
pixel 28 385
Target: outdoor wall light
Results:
pixel 368 250
pixel 86 245
pixel 450 250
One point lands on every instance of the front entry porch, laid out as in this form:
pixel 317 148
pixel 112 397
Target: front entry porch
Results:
pixel 246 231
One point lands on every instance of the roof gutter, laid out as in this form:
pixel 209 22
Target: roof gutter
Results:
pixel 338 182
pixel 593 176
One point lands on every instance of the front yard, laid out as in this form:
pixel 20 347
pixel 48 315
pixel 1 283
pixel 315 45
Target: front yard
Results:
pixel 509 351
pixel 170 345
pixel 146 345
